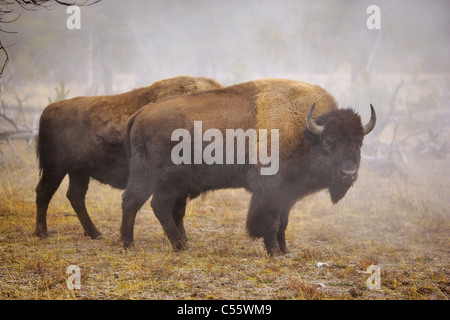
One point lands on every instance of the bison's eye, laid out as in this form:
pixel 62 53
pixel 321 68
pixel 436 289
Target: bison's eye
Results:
pixel 327 144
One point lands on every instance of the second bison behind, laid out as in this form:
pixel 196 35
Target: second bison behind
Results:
pixel 83 137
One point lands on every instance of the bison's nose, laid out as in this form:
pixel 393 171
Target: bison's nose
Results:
pixel 348 175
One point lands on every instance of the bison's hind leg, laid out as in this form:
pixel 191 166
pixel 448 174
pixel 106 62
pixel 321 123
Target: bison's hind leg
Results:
pixel 46 188
pixel 170 209
pixel 78 185
pixel 139 189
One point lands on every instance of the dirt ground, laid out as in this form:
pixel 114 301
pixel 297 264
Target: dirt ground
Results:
pixel 400 225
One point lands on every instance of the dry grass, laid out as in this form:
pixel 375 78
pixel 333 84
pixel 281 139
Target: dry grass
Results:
pixel 400 225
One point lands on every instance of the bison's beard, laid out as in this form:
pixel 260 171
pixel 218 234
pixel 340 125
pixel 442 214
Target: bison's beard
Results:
pixel 338 190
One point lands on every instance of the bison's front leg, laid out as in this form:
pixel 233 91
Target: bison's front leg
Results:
pixel 263 220
pixel 178 212
pixel 78 186
pixel 281 231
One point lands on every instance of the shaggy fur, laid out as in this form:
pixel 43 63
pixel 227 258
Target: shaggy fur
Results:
pixel 279 106
pixel 84 136
pixel 307 162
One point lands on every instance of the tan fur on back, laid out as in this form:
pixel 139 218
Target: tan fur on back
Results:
pixel 283 104
pixel 182 84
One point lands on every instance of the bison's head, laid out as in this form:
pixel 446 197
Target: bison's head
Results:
pixel 336 138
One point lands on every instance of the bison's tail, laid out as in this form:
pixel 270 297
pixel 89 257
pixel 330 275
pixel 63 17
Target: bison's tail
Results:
pixel 38 155
pixel 128 138
pixel 39 148
pixel 45 141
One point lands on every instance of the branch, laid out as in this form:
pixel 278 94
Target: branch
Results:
pixel 11 121
pixel 37 4
pixel 385 120
pixel 2 48
pixel 85 3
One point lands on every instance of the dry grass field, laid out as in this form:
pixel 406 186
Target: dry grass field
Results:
pixel 400 225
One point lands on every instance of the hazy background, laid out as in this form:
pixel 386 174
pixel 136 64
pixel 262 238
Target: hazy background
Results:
pixel 396 216
pixel 403 69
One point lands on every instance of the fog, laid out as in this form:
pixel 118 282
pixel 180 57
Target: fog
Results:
pixel 402 68
pixel 396 216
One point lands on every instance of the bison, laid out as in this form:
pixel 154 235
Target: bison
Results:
pixel 319 148
pixel 84 136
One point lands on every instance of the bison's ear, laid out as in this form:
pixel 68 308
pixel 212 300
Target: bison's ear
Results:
pixel 312 126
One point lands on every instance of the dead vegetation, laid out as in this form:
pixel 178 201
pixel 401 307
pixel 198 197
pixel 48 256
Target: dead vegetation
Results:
pixel 398 224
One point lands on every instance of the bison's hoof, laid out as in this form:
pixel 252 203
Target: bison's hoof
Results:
pixel 41 234
pixel 93 234
pixel 126 243
pixel 276 254
pixel 181 246
pixel 98 236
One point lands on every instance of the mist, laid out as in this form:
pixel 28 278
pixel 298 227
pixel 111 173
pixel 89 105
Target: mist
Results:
pixel 120 47
pixel 401 67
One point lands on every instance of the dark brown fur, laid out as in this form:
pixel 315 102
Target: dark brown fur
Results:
pixel 308 162
pixel 84 136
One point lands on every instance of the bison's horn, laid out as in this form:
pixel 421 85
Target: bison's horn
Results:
pixel 310 124
pixel 371 124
